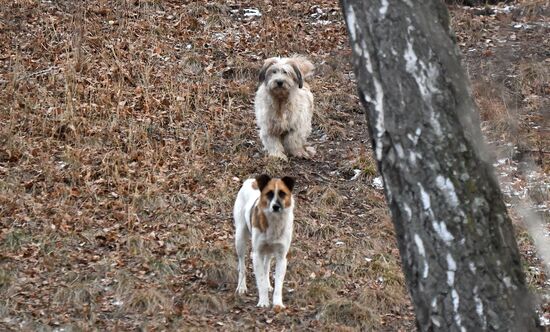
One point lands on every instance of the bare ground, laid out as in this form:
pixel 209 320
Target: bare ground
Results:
pixel 126 128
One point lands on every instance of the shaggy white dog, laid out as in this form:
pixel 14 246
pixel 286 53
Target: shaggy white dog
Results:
pixel 284 107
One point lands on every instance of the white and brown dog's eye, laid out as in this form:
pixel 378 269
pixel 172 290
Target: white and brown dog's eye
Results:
pixel 282 194
pixel 269 194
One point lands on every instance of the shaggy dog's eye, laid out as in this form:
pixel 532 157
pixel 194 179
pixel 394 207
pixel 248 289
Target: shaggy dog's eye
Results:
pixel 282 194
pixel 274 71
pixel 269 194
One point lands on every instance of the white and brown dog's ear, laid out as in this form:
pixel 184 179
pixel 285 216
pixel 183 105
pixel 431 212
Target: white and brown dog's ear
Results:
pixel 267 63
pixel 289 182
pixel 299 78
pixel 262 181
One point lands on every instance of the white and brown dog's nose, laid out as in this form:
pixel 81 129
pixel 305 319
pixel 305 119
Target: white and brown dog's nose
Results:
pixel 276 207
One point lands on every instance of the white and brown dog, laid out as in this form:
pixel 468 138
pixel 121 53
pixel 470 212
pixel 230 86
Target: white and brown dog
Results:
pixel 284 106
pixel 264 210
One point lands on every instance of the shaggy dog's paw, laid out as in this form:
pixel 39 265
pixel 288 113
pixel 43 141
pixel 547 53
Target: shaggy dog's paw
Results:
pixel 305 153
pixel 278 155
pixel 310 151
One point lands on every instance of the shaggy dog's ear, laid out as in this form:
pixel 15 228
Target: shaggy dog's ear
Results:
pixel 299 78
pixel 267 63
pixel 262 181
pixel 289 182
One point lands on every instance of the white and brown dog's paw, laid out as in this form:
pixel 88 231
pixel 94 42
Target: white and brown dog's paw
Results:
pixel 241 290
pixel 263 304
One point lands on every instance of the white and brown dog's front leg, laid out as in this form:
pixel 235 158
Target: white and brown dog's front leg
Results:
pixel 280 271
pixel 262 282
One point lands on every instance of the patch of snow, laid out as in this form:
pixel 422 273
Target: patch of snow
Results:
pixel 456 300
pixel 448 189
pixel 412 158
pixel 425 77
pixel 252 12
pixel 378 100
pixel 356 174
pixel 352 22
pixel 408 211
pixel 422 252
pixel 472 267
pixel 441 230
pixel 399 151
pixel 219 35
pixel 322 22
pixel 378 183
pixel 451 269
pixel 414 138
pixel 505 9
pixel 425 198
pixel 384 8
pixel 479 308
pixel 379 106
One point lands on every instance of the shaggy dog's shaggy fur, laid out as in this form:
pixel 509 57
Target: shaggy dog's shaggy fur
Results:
pixel 284 107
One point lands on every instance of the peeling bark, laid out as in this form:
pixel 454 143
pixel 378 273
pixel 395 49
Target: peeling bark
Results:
pixel 456 240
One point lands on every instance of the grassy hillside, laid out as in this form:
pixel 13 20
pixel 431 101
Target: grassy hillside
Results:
pixel 126 129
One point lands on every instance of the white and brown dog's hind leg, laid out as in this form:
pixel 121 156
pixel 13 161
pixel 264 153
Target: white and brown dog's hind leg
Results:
pixel 267 262
pixel 242 237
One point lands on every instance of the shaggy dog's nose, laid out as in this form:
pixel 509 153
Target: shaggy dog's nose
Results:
pixel 279 83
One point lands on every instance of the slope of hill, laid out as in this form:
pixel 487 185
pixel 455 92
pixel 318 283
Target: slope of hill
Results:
pixel 126 128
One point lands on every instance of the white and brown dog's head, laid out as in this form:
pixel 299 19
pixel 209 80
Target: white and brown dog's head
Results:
pixel 276 194
pixel 281 75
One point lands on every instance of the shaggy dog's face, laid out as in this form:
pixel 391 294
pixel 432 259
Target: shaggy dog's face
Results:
pixel 280 77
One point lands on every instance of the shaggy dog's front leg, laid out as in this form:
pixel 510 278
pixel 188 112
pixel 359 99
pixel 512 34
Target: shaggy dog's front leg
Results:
pixel 273 145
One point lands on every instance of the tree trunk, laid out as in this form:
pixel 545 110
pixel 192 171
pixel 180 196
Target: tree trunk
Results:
pixel 456 240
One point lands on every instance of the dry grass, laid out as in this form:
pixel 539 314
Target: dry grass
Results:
pixel 126 128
